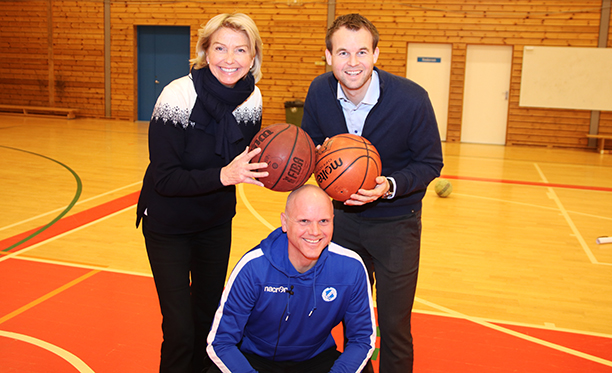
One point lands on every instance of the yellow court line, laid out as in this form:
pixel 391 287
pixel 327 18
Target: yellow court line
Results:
pixel 82 265
pixel 251 209
pixel 47 296
pixel 22 251
pixel 516 334
pixel 64 207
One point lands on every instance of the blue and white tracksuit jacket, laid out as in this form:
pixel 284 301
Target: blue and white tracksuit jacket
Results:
pixel 283 315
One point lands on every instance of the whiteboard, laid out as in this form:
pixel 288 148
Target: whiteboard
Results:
pixel 567 78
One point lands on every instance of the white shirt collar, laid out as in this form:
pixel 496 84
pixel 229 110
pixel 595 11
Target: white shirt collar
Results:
pixel 372 94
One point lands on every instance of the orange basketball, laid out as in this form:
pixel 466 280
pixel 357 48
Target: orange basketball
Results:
pixel 289 153
pixel 345 164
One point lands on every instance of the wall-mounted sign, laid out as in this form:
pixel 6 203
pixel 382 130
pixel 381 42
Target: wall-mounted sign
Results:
pixel 429 59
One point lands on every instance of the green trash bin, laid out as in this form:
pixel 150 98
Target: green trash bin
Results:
pixel 294 110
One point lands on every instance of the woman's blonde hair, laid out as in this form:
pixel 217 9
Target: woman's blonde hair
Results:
pixel 236 22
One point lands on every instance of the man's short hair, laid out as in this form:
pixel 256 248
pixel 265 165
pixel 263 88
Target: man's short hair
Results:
pixel 353 22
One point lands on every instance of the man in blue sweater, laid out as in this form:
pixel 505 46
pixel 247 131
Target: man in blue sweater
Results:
pixel 286 295
pixel 383 225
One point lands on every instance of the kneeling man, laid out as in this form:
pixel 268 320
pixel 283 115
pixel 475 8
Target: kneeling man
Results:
pixel 286 295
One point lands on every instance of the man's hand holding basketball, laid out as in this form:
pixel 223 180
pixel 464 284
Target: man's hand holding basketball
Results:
pixel 364 196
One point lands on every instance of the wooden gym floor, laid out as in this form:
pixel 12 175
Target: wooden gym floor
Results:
pixel 511 279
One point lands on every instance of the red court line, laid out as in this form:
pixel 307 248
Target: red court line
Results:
pixel 71 222
pixel 443 344
pixel 79 219
pixel 529 183
pixel 24 281
pixel 447 344
pixel 112 322
pixel 590 344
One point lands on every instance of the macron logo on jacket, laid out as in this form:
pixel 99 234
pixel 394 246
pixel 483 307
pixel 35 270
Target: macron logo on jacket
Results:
pixel 272 289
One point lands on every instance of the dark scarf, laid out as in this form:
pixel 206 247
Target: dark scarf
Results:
pixel 213 109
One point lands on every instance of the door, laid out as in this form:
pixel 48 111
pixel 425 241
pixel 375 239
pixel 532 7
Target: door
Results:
pixel 485 96
pixel 163 55
pixel 429 65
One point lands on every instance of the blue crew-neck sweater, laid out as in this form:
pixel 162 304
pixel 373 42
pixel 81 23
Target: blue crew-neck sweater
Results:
pixel 403 128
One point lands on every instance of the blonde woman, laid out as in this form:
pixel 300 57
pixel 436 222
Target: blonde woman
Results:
pixel 199 134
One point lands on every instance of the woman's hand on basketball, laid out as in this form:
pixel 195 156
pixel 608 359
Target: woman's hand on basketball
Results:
pixel 241 170
pixel 319 146
pixel 364 196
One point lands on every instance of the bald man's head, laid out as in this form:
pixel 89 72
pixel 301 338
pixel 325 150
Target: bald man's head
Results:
pixel 308 222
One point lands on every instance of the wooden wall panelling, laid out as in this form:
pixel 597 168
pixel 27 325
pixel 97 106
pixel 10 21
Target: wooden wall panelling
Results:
pixel 539 126
pixel 24 48
pixel 125 17
pixel 78 56
pixel 605 119
pixel 516 23
pixel 59 68
pixel 294 38
pixel 457 83
pixel 293 43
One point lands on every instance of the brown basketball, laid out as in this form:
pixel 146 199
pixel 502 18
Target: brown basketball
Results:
pixel 345 164
pixel 289 153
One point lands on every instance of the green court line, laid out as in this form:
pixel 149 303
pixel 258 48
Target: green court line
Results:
pixel 68 208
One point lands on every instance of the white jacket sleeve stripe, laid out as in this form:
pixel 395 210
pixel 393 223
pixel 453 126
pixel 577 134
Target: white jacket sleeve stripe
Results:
pixel 350 253
pixel 219 314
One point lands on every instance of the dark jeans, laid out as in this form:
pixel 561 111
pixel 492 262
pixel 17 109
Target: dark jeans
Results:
pixel 390 249
pixel 322 363
pixel 189 272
